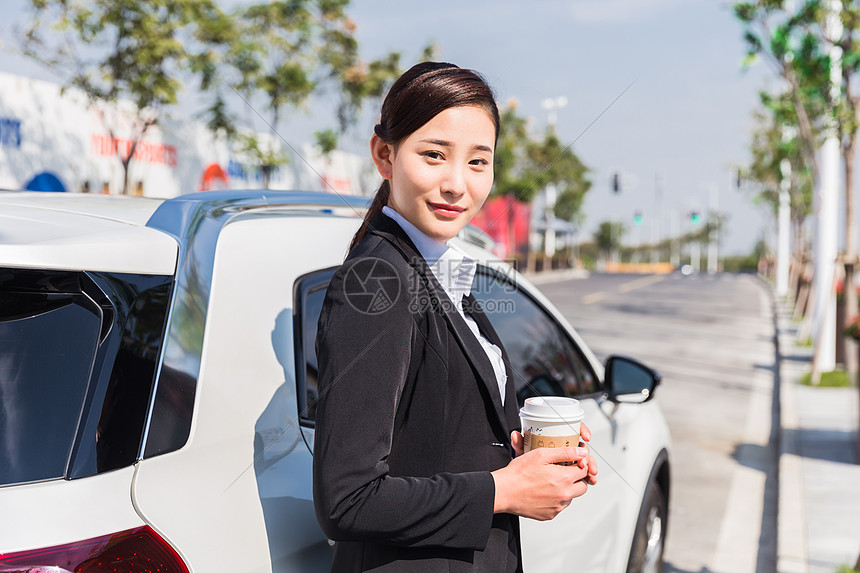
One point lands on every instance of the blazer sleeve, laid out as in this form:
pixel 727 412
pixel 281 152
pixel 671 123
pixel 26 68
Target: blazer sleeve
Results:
pixel 364 360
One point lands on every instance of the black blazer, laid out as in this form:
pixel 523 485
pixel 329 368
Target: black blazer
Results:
pixel 409 420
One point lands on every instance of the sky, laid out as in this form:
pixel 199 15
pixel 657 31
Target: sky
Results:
pixel 655 90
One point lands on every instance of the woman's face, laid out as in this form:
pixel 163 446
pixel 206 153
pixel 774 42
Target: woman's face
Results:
pixel 441 174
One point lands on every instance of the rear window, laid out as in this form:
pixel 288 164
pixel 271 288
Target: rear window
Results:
pixel 78 352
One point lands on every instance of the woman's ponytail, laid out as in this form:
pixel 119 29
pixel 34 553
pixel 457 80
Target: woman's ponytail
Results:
pixel 380 200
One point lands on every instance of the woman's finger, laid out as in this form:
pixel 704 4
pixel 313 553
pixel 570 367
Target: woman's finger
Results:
pixel 584 432
pixel 517 442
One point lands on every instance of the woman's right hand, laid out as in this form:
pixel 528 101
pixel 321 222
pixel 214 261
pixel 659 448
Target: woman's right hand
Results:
pixel 533 486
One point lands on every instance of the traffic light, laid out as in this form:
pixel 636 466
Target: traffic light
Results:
pixel 695 218
pixel 637 218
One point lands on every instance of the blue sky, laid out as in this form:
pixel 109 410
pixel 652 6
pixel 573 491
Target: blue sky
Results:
pixel 686 115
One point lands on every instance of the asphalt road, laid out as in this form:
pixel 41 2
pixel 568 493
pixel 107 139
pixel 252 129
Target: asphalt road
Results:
pixel 712 339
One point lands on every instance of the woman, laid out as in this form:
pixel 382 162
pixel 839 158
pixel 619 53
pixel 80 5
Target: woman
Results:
pixel 416 467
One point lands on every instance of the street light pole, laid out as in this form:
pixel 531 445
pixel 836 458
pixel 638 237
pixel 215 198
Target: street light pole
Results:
pixel 824 314
pixel 549 243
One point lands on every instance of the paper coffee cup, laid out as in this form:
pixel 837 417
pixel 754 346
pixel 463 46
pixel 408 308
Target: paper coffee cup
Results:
pixel 550 422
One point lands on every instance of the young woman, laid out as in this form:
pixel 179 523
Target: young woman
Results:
pixel 417 463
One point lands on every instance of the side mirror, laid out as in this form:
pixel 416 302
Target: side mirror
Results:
pixel 629 381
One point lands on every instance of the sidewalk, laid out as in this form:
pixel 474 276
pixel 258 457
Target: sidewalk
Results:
pixel 819 477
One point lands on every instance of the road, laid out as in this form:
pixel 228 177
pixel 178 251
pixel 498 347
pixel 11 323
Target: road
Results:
pixel 712 339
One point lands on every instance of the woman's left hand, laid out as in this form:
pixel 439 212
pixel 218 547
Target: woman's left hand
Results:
pixel 584 434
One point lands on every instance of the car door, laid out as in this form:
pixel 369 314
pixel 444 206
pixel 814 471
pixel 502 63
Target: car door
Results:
pixel 546 361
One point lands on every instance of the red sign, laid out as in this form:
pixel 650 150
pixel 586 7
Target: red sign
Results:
pixel 506 220
pixel 155 153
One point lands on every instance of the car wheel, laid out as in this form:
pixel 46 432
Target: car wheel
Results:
pixel 646 554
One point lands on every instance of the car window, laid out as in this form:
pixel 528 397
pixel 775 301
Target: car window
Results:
pixel 77 358
pixel 309 295
pixel 544 360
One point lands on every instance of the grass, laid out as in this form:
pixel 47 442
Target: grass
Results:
pixel 834 379
pixel 847 569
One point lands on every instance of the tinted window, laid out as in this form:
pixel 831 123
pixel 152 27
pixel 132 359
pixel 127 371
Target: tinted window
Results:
pixel 78 353
pixel 308 299
pixel 45 362
pixel 544 360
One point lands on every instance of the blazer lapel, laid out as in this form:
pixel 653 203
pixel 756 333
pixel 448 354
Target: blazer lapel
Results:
pixel 387 228
pixel 511 406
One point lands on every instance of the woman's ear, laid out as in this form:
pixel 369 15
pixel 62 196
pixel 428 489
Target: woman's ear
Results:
pixel 383 155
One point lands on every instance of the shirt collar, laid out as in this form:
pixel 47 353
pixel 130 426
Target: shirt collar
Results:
pixel 453 268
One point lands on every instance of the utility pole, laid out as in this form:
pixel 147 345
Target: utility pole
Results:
pixel 713 232
pixel 824 315
pixel 675 257
pixel 657 222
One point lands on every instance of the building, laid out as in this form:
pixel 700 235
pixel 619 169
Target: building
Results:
pixel 53 139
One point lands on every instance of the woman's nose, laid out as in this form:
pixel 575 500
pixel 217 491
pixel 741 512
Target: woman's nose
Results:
pixel 454 182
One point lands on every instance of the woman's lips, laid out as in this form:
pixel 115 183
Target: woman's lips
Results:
pixel 450 211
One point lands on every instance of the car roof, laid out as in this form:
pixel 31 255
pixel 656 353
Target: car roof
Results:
pixel 75 231
pixel 71 231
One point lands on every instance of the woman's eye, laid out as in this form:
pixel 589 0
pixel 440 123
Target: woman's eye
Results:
pixel 433 154
pixel 479 161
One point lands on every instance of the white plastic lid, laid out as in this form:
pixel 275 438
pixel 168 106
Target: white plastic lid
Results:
pixel 552 409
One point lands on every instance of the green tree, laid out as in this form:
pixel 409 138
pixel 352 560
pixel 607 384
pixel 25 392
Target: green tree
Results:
pixel 117 50
pixel 774 141
pixel 280 53
pixel 553 163
pixel 524 165
pixel 509 162
pixel 795 43
pixel 608 236
pixel 790 44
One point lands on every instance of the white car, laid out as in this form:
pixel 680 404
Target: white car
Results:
pixel 158 377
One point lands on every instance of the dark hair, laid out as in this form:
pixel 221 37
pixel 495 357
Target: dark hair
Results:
pixel 421 93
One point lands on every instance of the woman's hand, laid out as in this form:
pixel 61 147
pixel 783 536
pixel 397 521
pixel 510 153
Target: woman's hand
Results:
pixel 584 434
pixel 531 485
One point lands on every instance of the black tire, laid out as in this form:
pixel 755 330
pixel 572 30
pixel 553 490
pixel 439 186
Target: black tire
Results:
pixel 646 554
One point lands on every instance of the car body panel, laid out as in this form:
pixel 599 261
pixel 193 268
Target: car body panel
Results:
pixel 245 419
pixel 131 210
pixel 55 512
pixel 52 239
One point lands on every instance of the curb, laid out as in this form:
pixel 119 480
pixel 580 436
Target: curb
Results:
pixel 557 275
pixel 792 543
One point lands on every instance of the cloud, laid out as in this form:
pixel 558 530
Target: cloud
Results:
pixel 608 11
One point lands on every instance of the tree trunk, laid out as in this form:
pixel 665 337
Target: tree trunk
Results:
pixel 849 293
pixel 807 136
pixel 125 165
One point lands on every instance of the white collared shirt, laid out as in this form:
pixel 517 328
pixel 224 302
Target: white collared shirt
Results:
pixel 455 271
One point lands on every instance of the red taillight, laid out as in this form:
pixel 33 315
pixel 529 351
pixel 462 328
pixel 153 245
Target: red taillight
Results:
pixel 139 550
